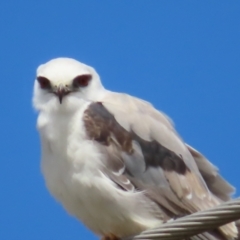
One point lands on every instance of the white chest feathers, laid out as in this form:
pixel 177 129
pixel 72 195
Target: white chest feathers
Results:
pixel 66 151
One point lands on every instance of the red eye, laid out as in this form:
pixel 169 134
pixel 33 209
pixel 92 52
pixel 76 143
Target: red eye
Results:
pixel 44 82
pixel 81 81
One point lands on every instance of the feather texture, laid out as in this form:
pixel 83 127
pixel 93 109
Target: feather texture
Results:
pixel 114 161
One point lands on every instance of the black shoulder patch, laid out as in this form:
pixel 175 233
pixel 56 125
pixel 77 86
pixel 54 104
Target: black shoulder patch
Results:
pixel 101 126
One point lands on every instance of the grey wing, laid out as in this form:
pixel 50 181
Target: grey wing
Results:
pixel 146 154
pixel 161 157
pixel 215 182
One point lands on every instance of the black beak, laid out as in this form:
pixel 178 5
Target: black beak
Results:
pixel 61 92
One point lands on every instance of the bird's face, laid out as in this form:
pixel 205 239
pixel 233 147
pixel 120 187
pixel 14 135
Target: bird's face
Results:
pixel 60 87
pixel 63 81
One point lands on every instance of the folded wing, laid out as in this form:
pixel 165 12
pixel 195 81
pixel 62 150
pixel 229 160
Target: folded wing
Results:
pixel 144 153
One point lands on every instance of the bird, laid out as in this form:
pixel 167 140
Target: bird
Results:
pixel 115 162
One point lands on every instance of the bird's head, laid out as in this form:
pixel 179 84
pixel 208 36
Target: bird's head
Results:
pixel 64 81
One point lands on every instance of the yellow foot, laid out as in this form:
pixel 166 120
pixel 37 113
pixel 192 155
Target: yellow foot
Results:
pixel 110 237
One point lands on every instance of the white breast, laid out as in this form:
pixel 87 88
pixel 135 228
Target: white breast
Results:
pixel 70 165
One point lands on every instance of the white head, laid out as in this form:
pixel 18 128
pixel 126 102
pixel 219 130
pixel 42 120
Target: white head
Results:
pixel 64 82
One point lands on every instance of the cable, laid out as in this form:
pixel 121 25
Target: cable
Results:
pixel 193 224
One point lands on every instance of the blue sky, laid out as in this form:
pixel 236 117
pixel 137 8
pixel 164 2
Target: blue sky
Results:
pixel 183 56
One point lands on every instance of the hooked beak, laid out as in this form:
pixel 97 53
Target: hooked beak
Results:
pixel 61 92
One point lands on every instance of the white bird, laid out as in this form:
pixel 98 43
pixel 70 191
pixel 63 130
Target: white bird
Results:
pixel 114 161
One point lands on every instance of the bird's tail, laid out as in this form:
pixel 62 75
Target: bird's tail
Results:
pixel 238 228
pixel 229 231
pixel 216 234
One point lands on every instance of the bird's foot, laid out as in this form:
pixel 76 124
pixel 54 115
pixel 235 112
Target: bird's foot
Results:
pixel 110 237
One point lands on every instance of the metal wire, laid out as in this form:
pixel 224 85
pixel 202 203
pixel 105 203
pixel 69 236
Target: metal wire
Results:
pixel 193 224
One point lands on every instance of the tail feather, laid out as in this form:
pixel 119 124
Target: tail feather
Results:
pixel 238 228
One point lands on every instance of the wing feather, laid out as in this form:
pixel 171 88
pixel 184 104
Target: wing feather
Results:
pixel 143 143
